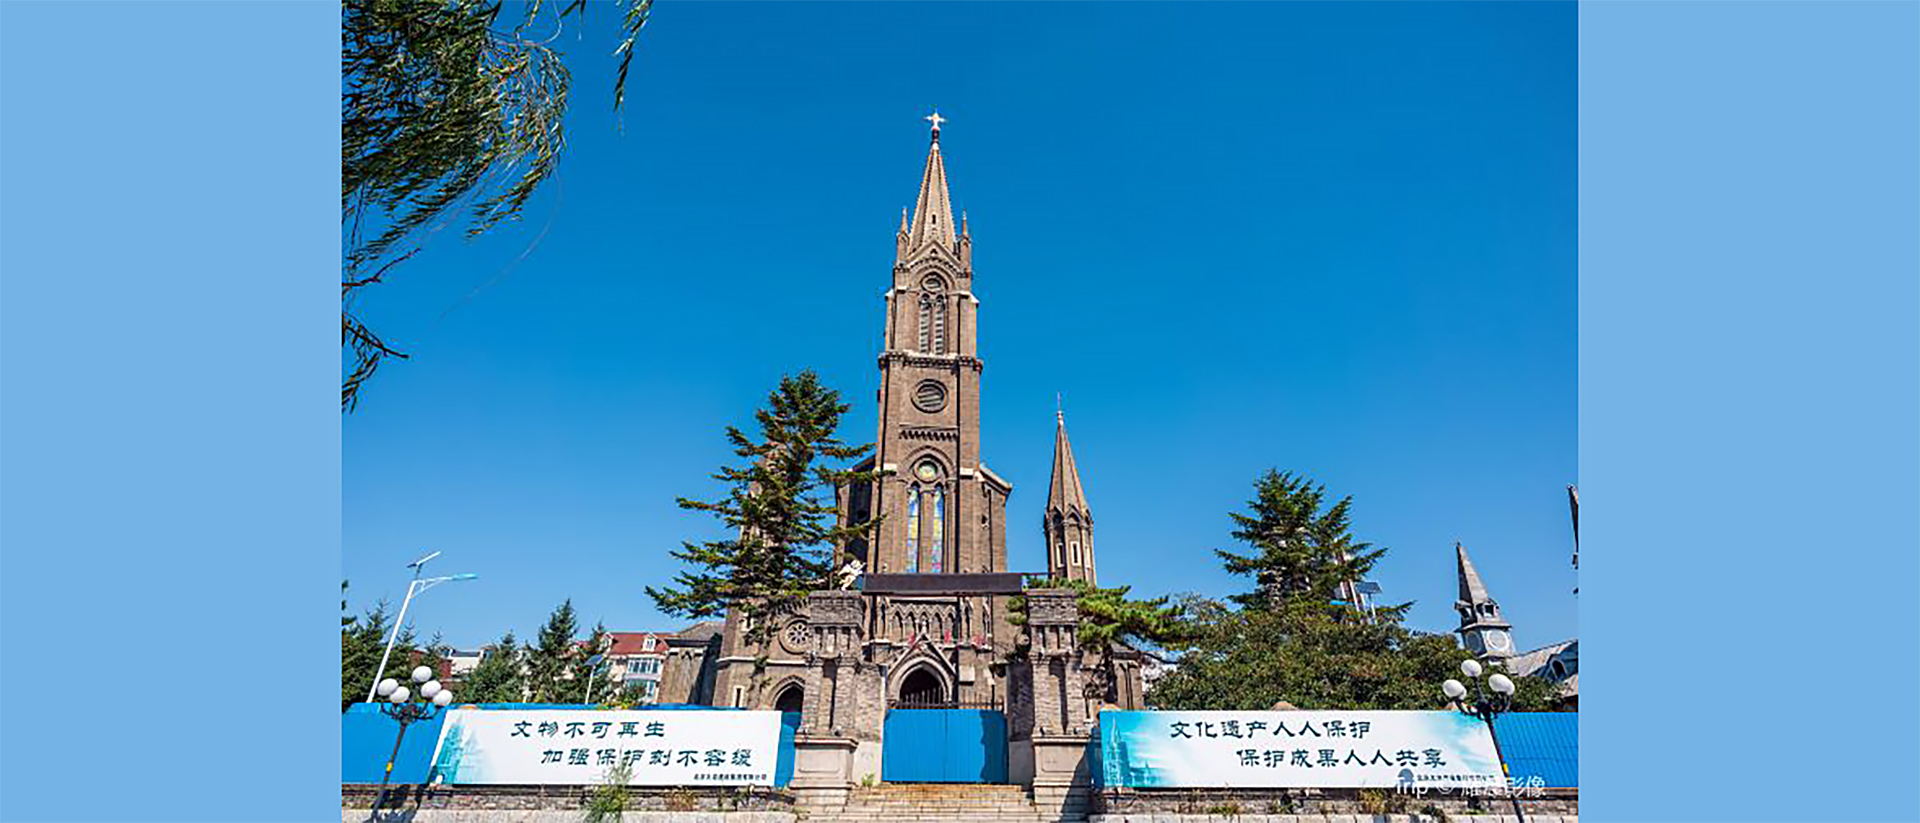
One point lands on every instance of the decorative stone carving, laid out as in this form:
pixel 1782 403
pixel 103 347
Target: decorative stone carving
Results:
pixel 938 621
pixel 1052 607
pixel 833 608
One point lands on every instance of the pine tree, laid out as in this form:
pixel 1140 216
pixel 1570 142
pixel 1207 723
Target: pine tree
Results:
pixel 584 668
pixel 1300 551
pixel 1107 617
pixel 498 678
pixel 550 663
pixel 780 509
pixel 362 641
pixel 1294 637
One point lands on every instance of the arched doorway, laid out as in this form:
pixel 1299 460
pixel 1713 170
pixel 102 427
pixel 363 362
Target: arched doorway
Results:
pixel 791 699
pixel 922 689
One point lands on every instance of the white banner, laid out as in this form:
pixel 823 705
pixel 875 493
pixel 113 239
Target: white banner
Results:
pixel 1322 749
pixel 660 748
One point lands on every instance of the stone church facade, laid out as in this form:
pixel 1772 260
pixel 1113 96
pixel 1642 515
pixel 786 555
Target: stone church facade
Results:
pixel 923 616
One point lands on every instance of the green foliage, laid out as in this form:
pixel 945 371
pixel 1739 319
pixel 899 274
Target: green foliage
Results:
pixel 780 509
pixel 627 696
pixel 584 670
pixel 444 108
pixel 1107 617
pixel 498 678
pixel 609 799
pixel 553 656
pixel 1286 639
pixel 363 639
pixel 1301 547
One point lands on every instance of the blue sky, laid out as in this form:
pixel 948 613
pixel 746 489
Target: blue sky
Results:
pixel 1333 238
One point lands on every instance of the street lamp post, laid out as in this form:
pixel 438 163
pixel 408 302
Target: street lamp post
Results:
pixel 404 710
pixel 417 586
pixel 1486 702
pixel 593 669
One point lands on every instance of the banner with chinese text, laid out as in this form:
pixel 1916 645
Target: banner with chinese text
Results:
pixel 1319 749
pixel 661 748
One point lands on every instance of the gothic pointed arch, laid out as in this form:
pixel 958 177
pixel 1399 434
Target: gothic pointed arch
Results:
pixel 923 678
pixel 790 696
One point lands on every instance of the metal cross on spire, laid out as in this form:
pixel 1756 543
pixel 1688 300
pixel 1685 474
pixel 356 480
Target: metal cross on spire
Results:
pixel 935 119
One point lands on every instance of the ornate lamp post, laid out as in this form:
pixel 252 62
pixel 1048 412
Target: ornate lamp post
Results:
pixel 1486 701
pixel 403 709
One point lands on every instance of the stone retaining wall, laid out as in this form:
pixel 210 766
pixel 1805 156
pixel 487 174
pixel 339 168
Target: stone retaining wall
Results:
pixel 409 798
pixel 1346 805
pixel 1326 818
pixel 528 816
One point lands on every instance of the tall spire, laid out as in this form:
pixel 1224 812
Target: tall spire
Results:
pixel 932 213
pixel 1471 589
pixel 1065 495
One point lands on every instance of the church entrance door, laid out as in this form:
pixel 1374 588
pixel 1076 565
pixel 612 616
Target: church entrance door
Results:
pixel 944 746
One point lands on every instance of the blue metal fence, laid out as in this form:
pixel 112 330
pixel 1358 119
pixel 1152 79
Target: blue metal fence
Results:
pixel 1541 744
pixel 367 736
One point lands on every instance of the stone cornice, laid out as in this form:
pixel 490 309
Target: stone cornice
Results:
pixel 934 360
pixel 950 433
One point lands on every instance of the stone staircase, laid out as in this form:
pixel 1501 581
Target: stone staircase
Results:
pixel 942 802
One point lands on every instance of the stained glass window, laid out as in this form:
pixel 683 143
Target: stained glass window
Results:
pixel 913 529
pixel 936 528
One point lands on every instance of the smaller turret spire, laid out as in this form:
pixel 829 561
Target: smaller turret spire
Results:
pixel 1472 590
pixel 1068 522
pixel 1065 494
pixel 1482 629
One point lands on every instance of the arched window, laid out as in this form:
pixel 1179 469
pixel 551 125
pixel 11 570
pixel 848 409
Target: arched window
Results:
pixel 926 322
pixel 1074 548
pixel 933 316
pixel 940 324
pixel 913 528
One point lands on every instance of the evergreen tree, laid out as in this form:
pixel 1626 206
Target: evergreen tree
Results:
pixel 1249 659
pixel 363 640
pixel 1300 550
pixel 584 668
pixel 551 662
pixel 1107 617
pixel 1295 636
pixel 498 678
pixel 781 512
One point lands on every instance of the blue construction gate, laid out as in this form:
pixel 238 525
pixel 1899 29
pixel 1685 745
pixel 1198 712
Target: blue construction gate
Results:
pixel 944 746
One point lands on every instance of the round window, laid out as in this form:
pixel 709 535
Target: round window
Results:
pixel 930 396
pixel 927 471
pixel 796 636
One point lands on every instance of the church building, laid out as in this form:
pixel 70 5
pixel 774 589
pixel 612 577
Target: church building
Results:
pixel 923 618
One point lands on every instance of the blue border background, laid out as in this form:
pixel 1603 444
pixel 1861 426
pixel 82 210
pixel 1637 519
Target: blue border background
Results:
pixel 169 426
pixel 169 418
pixel 1749 406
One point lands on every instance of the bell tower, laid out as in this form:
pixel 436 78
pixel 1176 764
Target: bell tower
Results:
pixel 943 509
pixel 1482 630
